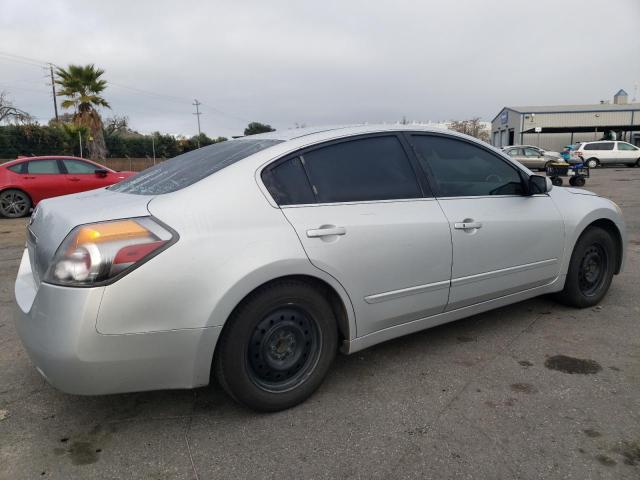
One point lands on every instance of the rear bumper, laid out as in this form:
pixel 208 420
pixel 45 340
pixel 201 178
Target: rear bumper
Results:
pixel 57 326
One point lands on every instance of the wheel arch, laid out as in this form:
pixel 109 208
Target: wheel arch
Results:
pixel 610 227
pixel 336 294
pixel 20 189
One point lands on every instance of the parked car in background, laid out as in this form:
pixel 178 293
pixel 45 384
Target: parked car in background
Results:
pixel 254 260
pixel 531 157
pixel 608 152
pixel 28 180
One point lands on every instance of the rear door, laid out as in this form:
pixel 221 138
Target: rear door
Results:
pixel 503 241
pixel 364 217
pixel 533 158
pixel 44 179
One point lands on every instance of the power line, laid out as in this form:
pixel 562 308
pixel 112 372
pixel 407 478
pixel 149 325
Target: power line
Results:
pixel 49 65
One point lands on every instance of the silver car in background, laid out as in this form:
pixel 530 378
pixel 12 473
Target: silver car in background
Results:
pixel 257 259
pixel 532 157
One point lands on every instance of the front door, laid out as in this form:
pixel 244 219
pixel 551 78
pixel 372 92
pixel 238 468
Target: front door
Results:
pixel 503 241
pixel 363 217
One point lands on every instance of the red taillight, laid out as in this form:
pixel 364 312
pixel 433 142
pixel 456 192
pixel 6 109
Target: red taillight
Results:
pixel 134 253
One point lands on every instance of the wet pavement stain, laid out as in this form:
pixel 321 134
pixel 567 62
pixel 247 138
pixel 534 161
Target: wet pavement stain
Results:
pixel 606 461
pixel 525 363
pixel 571 365
pixel 83 453
pixel 591 433
pixel 630 451
pixel 523 388
pixel 465 339
pixel 84 450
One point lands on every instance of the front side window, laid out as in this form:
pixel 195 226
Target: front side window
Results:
pixel 43 167
pixel 530 152
pixel 367 169
pixel 78 166
pixel 189 168
pixel 626 146
pixel 461 169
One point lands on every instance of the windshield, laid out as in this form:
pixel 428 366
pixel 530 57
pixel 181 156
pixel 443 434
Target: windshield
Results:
pixel 188 168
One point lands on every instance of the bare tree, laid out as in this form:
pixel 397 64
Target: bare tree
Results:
pixel 471 127
pixel 9 113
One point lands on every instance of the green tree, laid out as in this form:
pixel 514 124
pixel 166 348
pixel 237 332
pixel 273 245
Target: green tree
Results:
pixel 257 127
pixel 82 86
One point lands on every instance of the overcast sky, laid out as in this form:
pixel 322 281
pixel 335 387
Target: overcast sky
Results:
pixel 322 62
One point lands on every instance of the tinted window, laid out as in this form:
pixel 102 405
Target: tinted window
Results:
pixel 43 167
pixel 530 152
pixel 359 170
pixel 188 168
pixel 599 146
pixel 17 168
pixel 288 183
pixel 78 166
pixel 625 146
pixel 461 169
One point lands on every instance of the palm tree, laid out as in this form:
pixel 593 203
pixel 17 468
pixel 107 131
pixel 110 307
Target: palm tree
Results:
pixel 82 85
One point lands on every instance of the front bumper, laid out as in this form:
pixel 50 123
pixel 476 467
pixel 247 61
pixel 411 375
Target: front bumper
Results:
pixel 57 326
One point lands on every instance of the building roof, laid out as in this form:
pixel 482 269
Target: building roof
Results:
pixel 621 93
pixel 594 107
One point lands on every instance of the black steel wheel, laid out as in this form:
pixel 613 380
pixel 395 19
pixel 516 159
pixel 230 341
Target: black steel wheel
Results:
pixel 577 181
pixel 14 203
pixel 557 181
pixel 277 346
pixel 283 348
pixel 591 269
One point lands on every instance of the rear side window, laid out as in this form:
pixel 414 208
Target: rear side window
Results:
pixel 288 183
pixel 17 168
pixel 374 168
pixel 461 169
pixel 44 167
pixel 599 146
pixel 78 166
pixel 530 152
pixel 188 168
pixel 514 152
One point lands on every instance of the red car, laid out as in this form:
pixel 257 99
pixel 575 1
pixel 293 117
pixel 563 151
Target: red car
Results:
pixel 27 180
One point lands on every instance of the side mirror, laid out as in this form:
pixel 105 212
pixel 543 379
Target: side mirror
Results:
pixel 538 184
pixel 101 172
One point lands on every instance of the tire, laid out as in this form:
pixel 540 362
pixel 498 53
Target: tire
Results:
pixel 277 346
pixel 590 270
pixel 14 203
pixel 592 162
pixel 577 181
pixel 638 163
pixel 557 181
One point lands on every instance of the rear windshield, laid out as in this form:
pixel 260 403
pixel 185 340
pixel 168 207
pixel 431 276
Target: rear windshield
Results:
pixel 188 168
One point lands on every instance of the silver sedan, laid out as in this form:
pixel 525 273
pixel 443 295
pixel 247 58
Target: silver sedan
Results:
pixel 256 260
pixel 532 157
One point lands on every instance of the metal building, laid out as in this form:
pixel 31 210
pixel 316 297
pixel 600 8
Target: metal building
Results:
pixel 553 127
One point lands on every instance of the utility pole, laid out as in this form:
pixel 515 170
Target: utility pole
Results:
pixel 197 104
pixel 80 141
pixel 153 147
pixel 53 87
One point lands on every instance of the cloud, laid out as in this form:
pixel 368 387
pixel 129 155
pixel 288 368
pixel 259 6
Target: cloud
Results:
pixel 283 62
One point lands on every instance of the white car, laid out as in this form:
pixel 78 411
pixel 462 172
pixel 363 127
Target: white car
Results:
pixel 255 259
pixel 608 152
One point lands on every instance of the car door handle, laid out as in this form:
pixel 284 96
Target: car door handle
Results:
pixel 29 178
pixel 326 231
pixel 74 179
pixel 467 225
